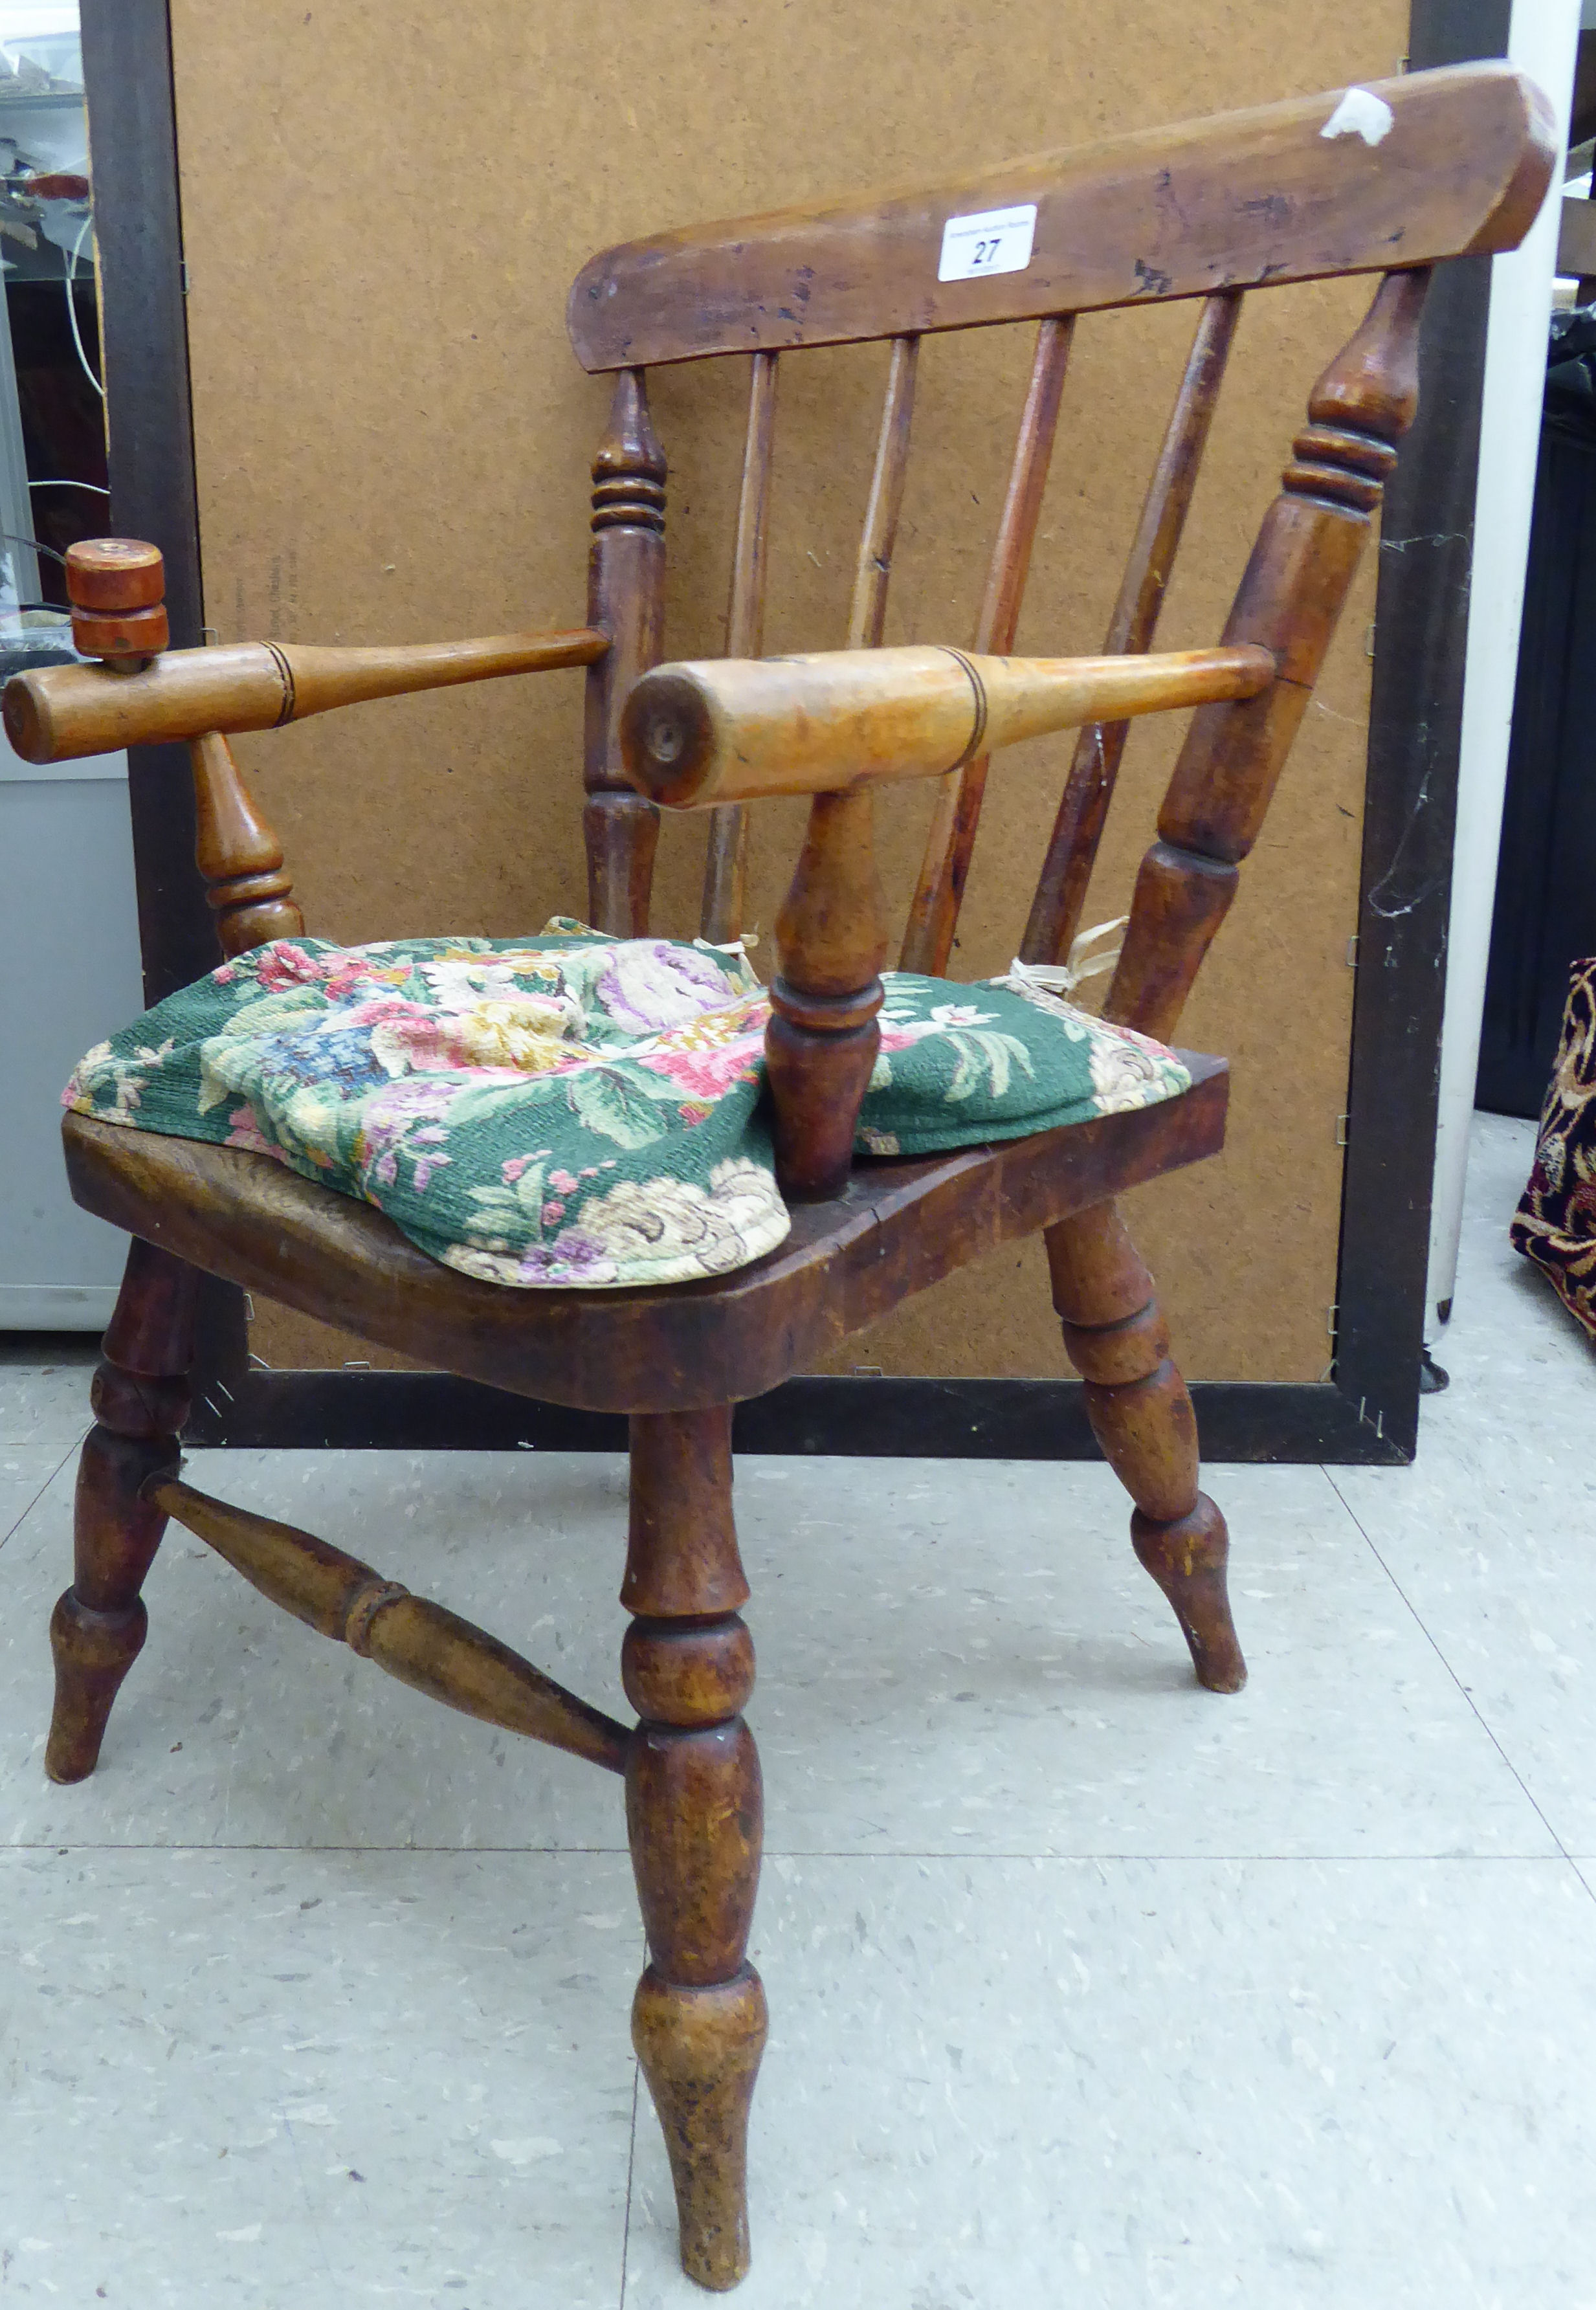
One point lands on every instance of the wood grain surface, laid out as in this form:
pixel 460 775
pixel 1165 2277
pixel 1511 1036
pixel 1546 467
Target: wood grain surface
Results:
pixel 1281 192
pixel 899 1227
pixel 420 1643
pixel 54 714
pixel 736 729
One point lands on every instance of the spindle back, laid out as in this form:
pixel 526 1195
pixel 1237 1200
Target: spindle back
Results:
pixel 1388 180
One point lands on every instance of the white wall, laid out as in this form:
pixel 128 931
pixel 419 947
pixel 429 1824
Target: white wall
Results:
pixel 1542 42
pixel 69 952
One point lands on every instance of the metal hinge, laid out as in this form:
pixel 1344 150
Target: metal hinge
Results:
pixel 183 276
pixel 1341 1123
pixel 1352 952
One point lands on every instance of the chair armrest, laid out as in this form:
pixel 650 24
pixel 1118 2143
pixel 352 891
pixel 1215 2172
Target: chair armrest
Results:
pixel 829 725
pixel 728 730
pixel 54 714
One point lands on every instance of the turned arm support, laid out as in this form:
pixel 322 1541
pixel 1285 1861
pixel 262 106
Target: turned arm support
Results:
pixel 736 729
pixel 143 694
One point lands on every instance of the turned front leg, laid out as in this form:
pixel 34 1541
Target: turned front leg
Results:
pixel 1140 1412
pixel 140 1399
pixel 694 1814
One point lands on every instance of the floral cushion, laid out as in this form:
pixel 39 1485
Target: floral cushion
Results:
pixel 574 1109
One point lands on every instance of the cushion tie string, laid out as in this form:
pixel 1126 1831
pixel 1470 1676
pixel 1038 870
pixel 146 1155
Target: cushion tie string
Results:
pixel 737 946
pixel 1064 977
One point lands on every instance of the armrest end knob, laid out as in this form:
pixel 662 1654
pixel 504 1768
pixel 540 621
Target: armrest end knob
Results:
pixel 667 737
pixel 117 587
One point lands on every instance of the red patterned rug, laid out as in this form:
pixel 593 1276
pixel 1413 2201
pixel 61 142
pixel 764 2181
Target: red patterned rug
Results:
pixel 1556 1221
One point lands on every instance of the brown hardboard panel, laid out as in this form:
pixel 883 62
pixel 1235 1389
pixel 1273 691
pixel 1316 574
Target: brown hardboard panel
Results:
pixel 382 212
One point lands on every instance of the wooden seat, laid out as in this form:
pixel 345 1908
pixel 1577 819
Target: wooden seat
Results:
pixel 897 1228
pixel 1403 175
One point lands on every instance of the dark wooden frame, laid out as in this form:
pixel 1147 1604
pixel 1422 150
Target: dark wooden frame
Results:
pixel 1366 1411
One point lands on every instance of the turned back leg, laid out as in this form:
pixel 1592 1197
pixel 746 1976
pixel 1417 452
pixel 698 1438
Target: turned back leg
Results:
pixel 1141 1415
pixel 140 1400
pixel 694 1811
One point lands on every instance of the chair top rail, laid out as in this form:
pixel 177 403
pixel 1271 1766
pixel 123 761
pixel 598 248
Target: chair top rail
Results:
pixel 1399 172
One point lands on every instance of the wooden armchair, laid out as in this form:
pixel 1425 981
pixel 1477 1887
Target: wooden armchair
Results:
pixel 1401 176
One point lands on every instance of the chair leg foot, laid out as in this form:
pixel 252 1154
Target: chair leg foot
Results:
pixel 700 2051
pixel 94 1652
pixel 1140 1412
pixel 695 1823
pixel 1187 1557
pixel 140 1401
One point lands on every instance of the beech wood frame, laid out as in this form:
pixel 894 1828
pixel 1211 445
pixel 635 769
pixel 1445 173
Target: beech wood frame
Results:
pixel 1366 1410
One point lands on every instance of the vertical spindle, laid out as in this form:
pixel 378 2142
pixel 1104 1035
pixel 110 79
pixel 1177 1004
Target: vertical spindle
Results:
pixel 626 575
pixel 934 911
pixel 830 935
pixel 1094 767
pixel 725 864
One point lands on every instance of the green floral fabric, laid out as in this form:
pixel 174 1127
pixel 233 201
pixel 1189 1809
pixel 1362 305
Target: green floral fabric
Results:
pixel 573 1109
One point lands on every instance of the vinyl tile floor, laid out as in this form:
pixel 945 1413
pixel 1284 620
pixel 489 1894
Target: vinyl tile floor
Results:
pixel 1088 1988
